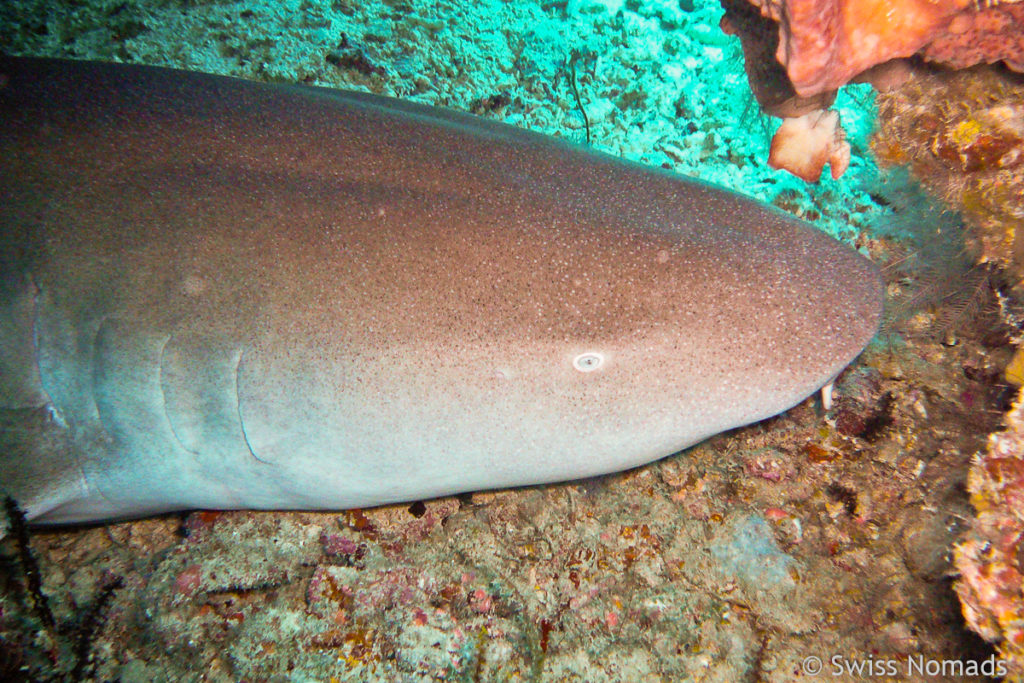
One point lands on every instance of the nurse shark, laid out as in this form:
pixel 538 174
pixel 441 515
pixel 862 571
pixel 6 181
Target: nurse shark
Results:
pixel 217 293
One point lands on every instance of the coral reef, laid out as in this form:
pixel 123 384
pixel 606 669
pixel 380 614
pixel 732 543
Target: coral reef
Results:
pixel 643 576
pixel 810 136
pixel 820 45
pixel 962 135
pixel 988 557
pixel 826 43
pixel 69 644
pixel 985 33
pixel 768 81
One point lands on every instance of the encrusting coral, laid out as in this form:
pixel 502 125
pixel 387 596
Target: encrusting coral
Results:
pixel 826 43
pixel 962 135
pixel 798 52
pixel 987 558
pixel 810 135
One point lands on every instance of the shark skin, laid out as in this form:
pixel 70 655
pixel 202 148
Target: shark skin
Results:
pixel 223 294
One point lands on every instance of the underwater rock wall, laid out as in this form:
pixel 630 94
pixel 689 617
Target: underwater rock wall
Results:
pixel 824 44
pixel 962 136
pixel 991 583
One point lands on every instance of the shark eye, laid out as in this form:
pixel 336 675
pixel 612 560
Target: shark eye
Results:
pixel 588 362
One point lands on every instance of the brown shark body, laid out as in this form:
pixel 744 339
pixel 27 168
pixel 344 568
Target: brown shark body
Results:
pixel 223 294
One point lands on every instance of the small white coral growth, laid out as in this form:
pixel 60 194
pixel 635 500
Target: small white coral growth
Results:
pixel 803 146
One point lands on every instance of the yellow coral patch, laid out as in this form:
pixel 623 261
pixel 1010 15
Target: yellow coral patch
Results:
pixel 966 132
pixel 1014 372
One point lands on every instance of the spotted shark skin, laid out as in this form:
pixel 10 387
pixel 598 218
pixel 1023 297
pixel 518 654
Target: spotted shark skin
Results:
pixel 223 294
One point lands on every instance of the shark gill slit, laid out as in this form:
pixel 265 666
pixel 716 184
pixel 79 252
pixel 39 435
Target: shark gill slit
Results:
pixel 53 411
pixel 51 408
pixel 94 364
pixel 163 395
pixel 238 406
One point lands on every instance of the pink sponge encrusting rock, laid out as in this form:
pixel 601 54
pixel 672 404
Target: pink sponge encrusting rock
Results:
pixel 826 43
pixel 984 36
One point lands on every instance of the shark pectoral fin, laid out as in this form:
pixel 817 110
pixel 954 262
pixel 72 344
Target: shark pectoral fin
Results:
pixel 39 474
